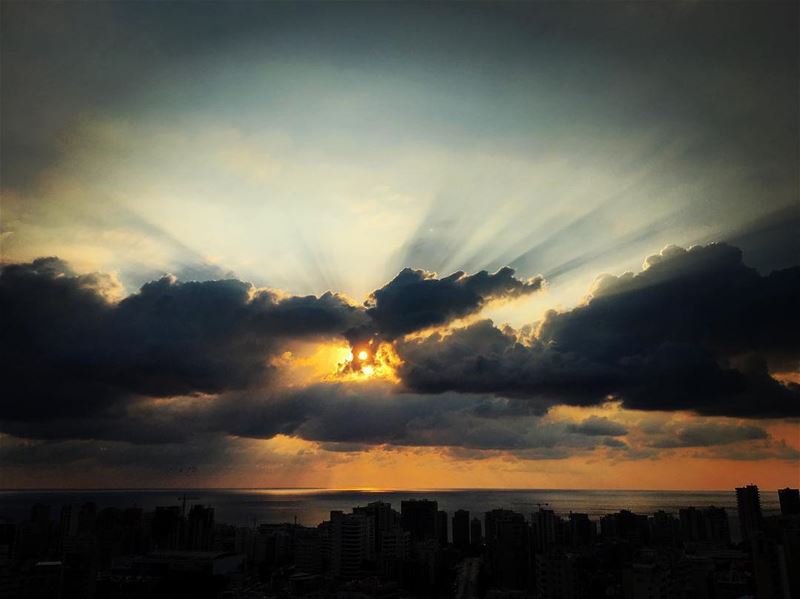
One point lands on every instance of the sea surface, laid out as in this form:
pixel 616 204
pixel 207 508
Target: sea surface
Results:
pixel 312 506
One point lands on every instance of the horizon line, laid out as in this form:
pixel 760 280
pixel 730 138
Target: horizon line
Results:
pixel 371 489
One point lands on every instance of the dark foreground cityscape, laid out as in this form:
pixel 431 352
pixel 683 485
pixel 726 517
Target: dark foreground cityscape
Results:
pixel 90 551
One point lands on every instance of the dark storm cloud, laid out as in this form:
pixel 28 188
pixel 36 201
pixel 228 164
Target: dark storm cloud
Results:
pixel 77 364
pixel 696 330
pixel 707 434
pixel 184 458
pixel 351 415
pixel 599 425
pixel 416 300
pixel 68 352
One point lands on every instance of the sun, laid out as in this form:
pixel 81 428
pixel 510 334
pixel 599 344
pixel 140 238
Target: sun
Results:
pixel 378 361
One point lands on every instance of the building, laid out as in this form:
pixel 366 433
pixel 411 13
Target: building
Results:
pixel 383 517
pixel 748 503
pixel 475 532
pixel 558 577
pixel 707 525
pixel 308 550
pixel 395 550
pixel 664 529
pixel 625 525
pixel 419 517
pixel 351 545
pixel 582 530
pixel 441 528
pixel 769 568
pixel 508 541
pixel 652 581
pixel 166 528
pixel 188 564
pixel 461 529
pixel 200 528
pixel 68 523
pixel 544 526
pixel 46 580
pixel 790 501
pixel 718 530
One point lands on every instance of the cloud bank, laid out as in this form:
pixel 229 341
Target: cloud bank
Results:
pixel 696 330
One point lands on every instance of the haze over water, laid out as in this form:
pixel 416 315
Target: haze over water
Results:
pixel 312 506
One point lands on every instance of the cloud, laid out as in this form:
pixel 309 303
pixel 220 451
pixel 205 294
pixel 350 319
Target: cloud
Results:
pixel 707 434
pixel 599 425
pixel 694 330
pixel 80 362
pixel 766 449
pixel 416 299
pixel 350 415
pixel 70 352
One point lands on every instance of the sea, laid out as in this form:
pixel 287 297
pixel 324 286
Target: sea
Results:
pixel 309 507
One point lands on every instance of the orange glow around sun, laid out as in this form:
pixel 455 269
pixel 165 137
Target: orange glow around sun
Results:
pixel 375 360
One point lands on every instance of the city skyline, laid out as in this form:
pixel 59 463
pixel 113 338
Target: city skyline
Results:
pixel 399 246
pixel 423 550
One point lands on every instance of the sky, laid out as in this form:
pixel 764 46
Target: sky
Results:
pixel 399 245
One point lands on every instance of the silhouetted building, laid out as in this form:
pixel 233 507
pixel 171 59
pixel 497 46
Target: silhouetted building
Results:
pixel 475 532
pixel 625 525
pixel 68 523
pixel 492 519
pixel 749 507
pixel 717 526
pixel 33 537
pixel 383 518
pixel 509 545
pixel 308 554
pixel 790 501
pixel 133 537
pixel 350 544
pixel 46 580
pixel 200 528
pixel 692 527
pixel 166 528
pixel 582 530
pixel 653 581
pixel 116 554
pixel 40 514
pixel 708 525
pixel 769 567
pixel 461 529
pixel 395 549
pixel 559 577
pixel 441 528
pixel 664 529
pixel 419 517
pixel 87 518
pixel 544 523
